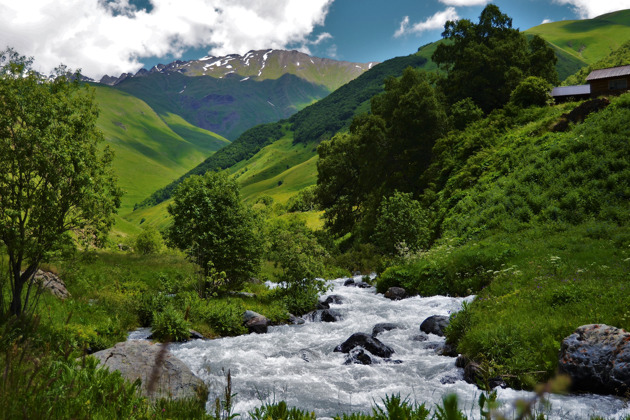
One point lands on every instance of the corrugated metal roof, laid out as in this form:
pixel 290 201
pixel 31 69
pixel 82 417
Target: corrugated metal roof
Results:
pixel 571 90
pixel 609 73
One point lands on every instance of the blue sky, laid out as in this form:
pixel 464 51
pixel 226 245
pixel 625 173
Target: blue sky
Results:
pixel 115 36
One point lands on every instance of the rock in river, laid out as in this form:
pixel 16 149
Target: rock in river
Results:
pixel 366 341
pixel 597 358
pixel 434 325
pixel 139 359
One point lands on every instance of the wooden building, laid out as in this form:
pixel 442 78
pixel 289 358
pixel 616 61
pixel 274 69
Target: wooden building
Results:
pixel 610 81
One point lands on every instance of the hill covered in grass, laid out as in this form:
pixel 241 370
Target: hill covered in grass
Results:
pixel 149 150
pixel 587 40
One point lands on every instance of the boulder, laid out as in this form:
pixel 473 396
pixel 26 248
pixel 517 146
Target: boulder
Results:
pixel 367 342
pixel 295 320
pixel 359 357
pixel 323 305
pixel 362 284
pixel 396 293
pixel 349 282
pixel 258 325
pixel 382 327
pixel 51 282
pixel 474 374
pixel 247 315
pixel 336 299
pixel 324 315
pixel 597 359
pixel 434 325
pixel 155 366
pixel 194 335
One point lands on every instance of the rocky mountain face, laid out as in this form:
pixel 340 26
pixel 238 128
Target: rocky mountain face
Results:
pixel 260 65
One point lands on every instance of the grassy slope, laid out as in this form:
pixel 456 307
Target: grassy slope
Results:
pixel 587 40
pixel 148 152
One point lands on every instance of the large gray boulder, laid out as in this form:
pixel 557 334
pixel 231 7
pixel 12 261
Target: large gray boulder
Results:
pixel 367 342
pixel 435 324
pixel 396 293
pixel 597 358
pixel 139 359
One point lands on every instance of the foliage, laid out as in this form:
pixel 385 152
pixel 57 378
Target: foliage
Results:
pixel 280 411
pixel 305 200
pixel 394 408
pixel 170 325
pixel 224 317
pixel 54 176
pixel 214 228
pixel 402 222
pixel 464 112
pixel 295 250
pixel 485 61
pixel 149 241
pixel 383 152
pixel 532 91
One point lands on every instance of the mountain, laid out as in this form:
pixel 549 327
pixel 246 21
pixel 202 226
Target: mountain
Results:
pixel 309 126
pixel 227 95
pixel 149 151
pixel 587 40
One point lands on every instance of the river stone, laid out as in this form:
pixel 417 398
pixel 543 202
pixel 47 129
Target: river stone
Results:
pixel 295 320
pixel 137 359
pixel 434 325
pixel 396 293
pixel 597 358
pixel 359 357
pixel 384 326
pixel 324 315
pixel 349 282
pixel 247 315
pixel 369 343
pixel 258 325
pixel 323 305
pixel 420 337
pixel 336 299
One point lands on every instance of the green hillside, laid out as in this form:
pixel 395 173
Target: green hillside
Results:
pixel 587 40
pixel 619 57
pixel 148 152
pixel 227 106
pixel 320 120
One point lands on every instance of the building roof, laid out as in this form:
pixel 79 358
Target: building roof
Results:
pixel 609 73
pixel 571 90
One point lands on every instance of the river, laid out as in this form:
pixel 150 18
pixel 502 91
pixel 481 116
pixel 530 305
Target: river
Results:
pixel 296 363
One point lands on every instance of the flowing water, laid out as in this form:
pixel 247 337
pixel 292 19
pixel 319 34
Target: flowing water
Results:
pixel 296 363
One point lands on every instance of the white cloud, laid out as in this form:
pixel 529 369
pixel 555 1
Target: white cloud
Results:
pixel 111 38
pixel 546 21
pixel 593 8
pixel 465 2
pixel 436 21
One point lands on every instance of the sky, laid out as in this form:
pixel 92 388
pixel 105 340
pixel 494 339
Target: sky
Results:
pixel 115 36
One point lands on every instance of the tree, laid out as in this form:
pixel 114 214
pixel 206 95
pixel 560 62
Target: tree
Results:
pixel 486 61
pixel 533 91
pixel 215 229
pixel 401 220
pixel 149 241
pixel 55 176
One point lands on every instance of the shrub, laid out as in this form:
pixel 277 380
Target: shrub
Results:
pixel 533 91
pixel 224 317
pixel 402 222
pixel 465 112
pixel 149 241
pixel 170 325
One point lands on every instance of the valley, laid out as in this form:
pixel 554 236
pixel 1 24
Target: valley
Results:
pixel 258 209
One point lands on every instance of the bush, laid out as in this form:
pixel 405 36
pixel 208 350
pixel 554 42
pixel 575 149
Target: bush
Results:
pixel 533 91
pixel 224 317
pixel 465 112
pixel 149 241
pixel 170 325
pixel 402 223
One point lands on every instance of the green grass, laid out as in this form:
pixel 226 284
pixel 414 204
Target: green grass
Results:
pixel 588 40
pixel 148 153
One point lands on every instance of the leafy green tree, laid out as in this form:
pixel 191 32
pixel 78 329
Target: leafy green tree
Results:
pixel 533 91
pixel 465 112
pixel 382 152
pixel 215 229
pixel 294 248
pixel 55 175
pixel 487 60
pixel 149 241
pixel 401 222
pixel 304 200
